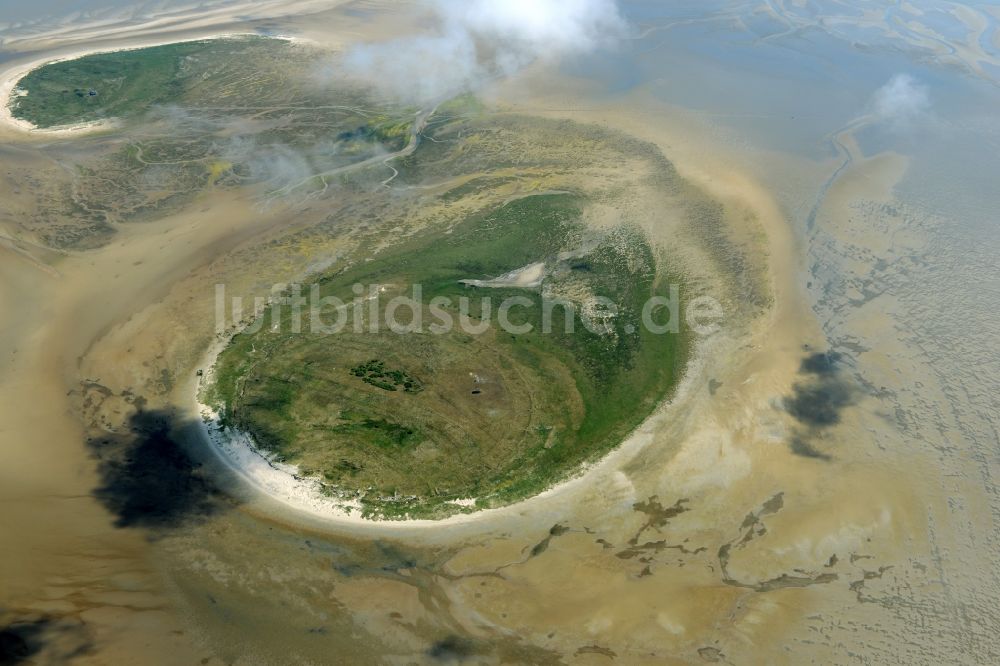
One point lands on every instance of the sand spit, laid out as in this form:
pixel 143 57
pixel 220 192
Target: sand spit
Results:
pixel 175 24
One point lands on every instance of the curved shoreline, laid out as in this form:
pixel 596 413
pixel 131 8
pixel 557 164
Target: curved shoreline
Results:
pixel 10 78
pixel 293 499
pixel 282 484
pixel 649 553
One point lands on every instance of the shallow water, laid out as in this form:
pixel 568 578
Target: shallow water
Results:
pixel 888 463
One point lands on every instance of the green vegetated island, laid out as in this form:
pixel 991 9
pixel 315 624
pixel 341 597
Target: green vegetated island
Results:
pixel 410 422
pixel 208 76
pixel 192 117
pixel 415 424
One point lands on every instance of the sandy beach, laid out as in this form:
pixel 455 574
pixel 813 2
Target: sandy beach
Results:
pixel 725 529
pixel 287 493
pixel 10 77
pixel 274 494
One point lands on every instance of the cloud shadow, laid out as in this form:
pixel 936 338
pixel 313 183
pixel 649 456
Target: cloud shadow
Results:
pixel 818 401
pixel 148 479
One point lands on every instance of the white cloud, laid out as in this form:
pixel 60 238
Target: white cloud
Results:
pixel 479 39
pixel 901 101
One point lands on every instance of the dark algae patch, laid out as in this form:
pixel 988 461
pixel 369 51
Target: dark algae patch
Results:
pixel 407 421
pixel 375 373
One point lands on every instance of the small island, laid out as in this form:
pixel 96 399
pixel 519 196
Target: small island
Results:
pixel 435 419
pixel 509 375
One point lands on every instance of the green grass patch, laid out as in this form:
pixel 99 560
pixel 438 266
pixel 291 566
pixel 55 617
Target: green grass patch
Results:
pixel 491 414
pixel 121 84
pixel 375 373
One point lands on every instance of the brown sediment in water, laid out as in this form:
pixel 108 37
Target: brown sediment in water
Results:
pixel 674 546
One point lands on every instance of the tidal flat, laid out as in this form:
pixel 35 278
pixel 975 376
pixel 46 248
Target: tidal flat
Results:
pixel 744 520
